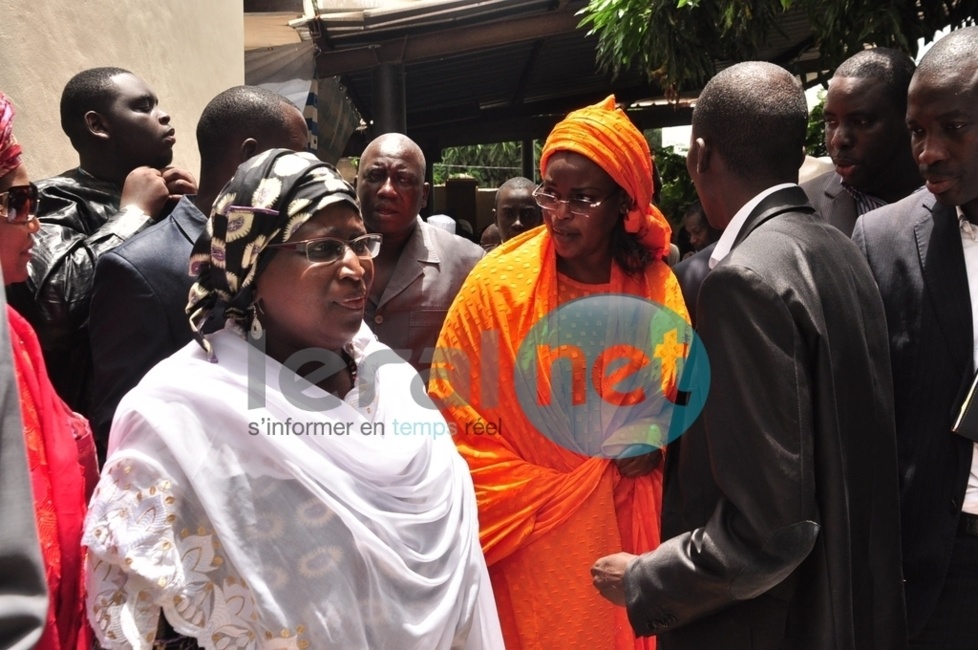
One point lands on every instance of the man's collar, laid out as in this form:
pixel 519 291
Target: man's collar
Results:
pixel 968 229
pixel 729 236
pixel 420 245
pixel 864 202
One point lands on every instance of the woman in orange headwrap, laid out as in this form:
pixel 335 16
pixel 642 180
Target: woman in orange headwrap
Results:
pixel 563 436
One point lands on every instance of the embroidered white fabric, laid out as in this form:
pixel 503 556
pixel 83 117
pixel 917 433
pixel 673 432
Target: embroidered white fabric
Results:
pixel 359 533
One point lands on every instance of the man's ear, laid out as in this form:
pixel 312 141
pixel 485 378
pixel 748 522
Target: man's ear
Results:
pixel 424 194
pixel 704 155
pixel 248 148
pixel 97 125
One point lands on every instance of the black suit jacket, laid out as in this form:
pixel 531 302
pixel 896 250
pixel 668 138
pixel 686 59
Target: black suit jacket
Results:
pixel 832 201
pixel 914 250
pixel 784 537
pixel 690 273
pixel 137 316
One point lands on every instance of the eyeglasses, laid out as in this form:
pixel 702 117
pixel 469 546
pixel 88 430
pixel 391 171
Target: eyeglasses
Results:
pixel 326 250
pixel 19 204
pixel 580 207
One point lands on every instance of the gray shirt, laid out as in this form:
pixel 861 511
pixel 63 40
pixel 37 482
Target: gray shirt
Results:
pixel 428 275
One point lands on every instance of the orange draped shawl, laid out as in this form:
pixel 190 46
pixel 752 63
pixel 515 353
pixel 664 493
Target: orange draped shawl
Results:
pixel 61 455
pixel 545 513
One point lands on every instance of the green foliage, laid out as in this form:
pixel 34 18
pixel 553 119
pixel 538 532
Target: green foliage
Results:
pixel 677 42
pixel 815 138
pixel 678 191
pixel 490 164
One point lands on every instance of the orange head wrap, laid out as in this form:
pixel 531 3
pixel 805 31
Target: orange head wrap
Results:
pixel 603 134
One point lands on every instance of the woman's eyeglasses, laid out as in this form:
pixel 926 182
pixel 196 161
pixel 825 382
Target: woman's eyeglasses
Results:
pixel 322 250
pixel 580 206
pixel 19 204
pixel 327 250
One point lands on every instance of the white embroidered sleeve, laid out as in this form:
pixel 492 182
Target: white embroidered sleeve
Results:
pixel 131 553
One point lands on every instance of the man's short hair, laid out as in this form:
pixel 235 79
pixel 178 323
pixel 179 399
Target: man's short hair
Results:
pixel 241 111
pixel 755 116
pixel 89 90
pixel 954 51
pixel 695 208
pixel 891 68
pixel 515 183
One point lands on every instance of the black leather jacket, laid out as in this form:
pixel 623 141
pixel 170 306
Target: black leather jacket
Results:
pixel 80 220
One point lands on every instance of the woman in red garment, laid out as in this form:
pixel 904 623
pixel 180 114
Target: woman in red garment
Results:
pixel 60 449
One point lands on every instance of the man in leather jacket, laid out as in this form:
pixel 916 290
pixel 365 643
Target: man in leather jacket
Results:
pixel 123 183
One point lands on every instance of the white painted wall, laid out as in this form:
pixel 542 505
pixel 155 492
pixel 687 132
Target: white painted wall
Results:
pixel 186 50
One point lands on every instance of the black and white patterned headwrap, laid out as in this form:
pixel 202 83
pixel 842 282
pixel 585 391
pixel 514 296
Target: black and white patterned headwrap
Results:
pixel 227 257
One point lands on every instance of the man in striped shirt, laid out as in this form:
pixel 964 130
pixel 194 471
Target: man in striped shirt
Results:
pixel 866 136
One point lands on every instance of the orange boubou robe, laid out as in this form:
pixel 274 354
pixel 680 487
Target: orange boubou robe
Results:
pixel 546 513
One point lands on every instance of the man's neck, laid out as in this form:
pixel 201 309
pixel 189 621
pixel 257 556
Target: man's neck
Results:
pixel 103 170
pixel 394 243
pixel 897 183
pixel 207 191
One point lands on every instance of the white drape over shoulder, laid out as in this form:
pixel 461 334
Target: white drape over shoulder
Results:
pixel 359 533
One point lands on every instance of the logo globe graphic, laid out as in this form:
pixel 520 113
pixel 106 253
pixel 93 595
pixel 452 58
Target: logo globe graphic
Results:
pixel 612 376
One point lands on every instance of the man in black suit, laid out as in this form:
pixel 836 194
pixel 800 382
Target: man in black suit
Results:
pixel 788 502
pixel 923 251
pixel 866 136
pixel 141 287
pixel 690 273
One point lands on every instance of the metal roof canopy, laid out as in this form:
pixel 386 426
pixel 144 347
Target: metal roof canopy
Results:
pixel 477 72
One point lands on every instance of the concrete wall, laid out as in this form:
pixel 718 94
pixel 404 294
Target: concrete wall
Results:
pixel 186 50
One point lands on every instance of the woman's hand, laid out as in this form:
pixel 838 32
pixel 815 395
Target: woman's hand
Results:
pixel 635 466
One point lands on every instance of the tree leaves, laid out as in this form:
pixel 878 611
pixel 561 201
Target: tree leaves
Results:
pixel 678 42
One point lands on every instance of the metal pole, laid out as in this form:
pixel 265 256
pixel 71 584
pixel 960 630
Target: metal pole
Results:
pixel 390 112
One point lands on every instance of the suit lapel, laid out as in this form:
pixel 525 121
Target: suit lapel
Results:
pixel 833 187
pixel 945 276
pixel 189 220
pixel 410 265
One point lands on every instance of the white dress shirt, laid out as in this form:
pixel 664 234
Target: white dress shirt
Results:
pixel 730 233
pixel 969 242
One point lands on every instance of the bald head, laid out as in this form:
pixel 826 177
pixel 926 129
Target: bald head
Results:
pixel 754 115
pixel 397 145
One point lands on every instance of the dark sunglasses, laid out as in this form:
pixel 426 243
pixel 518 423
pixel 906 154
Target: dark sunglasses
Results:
pixel 19 204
